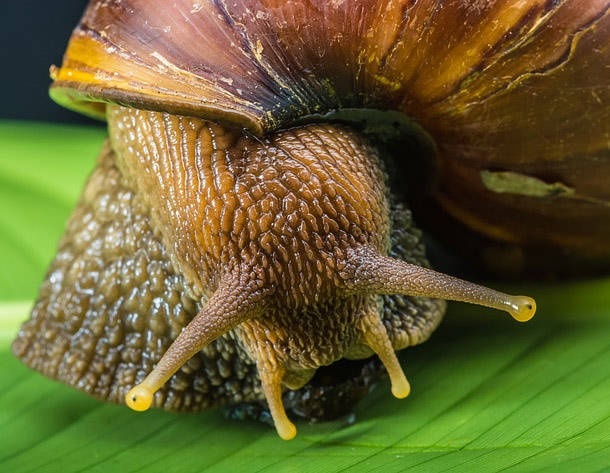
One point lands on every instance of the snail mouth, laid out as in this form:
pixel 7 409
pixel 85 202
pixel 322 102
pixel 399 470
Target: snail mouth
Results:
pixel 334 390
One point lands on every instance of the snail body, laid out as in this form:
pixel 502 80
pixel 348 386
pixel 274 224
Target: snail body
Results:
pixel 230 241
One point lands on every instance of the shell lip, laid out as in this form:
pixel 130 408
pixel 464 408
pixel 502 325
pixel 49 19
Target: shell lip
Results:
pixel 90 100
pixel 70 98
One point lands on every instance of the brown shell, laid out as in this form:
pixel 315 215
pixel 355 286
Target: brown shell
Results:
pixel 515 93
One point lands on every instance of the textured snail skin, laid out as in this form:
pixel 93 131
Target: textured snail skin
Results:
pixel 500 85
pixel 144 248
pixel 112 303
pixel 282 214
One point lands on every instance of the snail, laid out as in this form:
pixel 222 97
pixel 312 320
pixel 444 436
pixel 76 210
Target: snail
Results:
pixel 245 228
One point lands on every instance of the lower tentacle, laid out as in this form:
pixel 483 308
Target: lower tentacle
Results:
pixel 271 381
pixel 376 337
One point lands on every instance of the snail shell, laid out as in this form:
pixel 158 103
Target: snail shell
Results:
pixel 514 94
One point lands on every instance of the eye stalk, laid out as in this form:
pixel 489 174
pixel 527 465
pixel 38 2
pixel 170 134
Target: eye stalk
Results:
pixel 384 275
pixel 232 303
pixel 372 273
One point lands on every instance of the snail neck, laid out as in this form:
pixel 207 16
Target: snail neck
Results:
pixel 291 205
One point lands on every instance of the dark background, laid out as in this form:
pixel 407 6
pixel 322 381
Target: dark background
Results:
pixel 34 35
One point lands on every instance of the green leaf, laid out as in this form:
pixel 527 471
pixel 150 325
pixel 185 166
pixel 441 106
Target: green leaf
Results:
pixel 488 394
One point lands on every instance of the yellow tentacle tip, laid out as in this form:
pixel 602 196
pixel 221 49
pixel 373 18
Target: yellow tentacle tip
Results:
pixel 286 430
pixel 139 398
pixel 401 389
pixel 523 308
